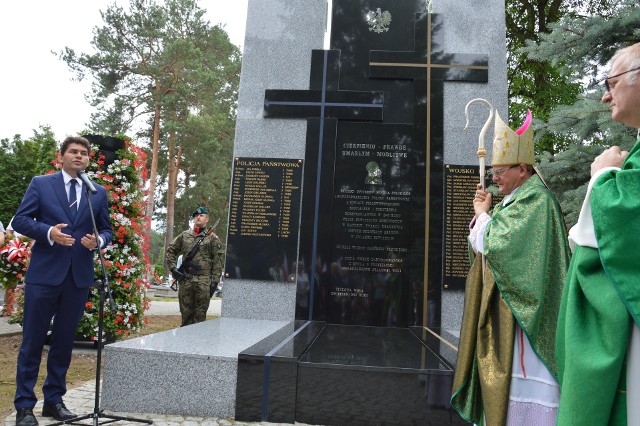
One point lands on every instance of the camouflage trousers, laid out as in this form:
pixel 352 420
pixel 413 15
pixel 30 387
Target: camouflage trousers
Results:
pixel 194 296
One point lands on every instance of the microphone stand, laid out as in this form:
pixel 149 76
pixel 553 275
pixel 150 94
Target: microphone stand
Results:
pixel 103 287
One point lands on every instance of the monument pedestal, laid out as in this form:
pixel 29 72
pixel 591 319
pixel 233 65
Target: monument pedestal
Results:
pixel 189 370
pixel 319 373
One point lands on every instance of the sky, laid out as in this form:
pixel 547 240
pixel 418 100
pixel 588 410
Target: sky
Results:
pixel 36 86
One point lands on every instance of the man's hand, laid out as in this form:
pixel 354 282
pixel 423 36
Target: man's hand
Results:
pixel 482 201
pixel 610 157
pixel 177 275
pixel 89 241
pixel 60 237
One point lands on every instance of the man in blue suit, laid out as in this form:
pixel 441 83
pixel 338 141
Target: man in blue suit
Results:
pixel 55 213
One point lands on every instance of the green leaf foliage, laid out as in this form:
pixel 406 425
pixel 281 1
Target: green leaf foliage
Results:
pixel 163 61
pixel 580 45
pixel 20 160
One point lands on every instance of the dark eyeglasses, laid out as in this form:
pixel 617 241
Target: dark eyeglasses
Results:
pixel 606 80
pixel 499 172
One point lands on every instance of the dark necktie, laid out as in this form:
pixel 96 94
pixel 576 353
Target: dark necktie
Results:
pixel 73 207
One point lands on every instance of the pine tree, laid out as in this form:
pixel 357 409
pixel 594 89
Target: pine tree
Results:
pixel 581 47
pixel 534 83
pixel 20 160
pixel 161 62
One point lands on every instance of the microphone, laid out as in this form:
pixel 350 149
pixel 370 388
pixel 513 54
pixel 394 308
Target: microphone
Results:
pixel 85 179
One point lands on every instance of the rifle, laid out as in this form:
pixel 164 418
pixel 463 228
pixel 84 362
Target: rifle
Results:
pixel 186 267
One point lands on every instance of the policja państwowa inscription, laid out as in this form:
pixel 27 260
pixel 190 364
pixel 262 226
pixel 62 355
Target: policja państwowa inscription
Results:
pixel 263 219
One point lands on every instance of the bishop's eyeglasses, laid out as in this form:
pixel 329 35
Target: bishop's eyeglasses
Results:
pixel 499 172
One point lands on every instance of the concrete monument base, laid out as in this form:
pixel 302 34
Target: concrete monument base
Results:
pixel 190 370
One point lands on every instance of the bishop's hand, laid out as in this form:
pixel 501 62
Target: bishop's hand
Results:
pixel 481 201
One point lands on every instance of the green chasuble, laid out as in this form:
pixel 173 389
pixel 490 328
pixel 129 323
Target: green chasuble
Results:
pixel 601 300
pixel 527 256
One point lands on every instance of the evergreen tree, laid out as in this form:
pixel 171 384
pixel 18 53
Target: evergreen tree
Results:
pixel 20 160
pixel 580 46
pixel 535 83
pixel 200 119
pixel 159 62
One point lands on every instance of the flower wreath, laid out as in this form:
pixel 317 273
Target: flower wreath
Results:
pixel 15 250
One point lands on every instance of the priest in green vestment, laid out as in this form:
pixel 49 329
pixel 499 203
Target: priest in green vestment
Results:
pixel 598 340
pixel 506 369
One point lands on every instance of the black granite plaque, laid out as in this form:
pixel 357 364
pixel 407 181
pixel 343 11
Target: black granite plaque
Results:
pixel 371 241
pixel 263 219
pixel 407 60
pixel 459 189
pixel 460 183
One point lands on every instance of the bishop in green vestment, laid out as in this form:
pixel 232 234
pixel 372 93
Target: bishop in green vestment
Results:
pixel 513 309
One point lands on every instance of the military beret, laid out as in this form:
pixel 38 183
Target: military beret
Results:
pixel 200 210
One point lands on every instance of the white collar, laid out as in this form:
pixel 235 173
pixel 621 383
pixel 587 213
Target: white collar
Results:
pixel 67 177
pixel 508 197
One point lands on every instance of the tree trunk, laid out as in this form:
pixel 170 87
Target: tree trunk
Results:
pixel 172 184
pixel 153 171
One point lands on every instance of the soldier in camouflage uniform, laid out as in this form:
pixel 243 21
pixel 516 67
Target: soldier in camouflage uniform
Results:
pixel 194 292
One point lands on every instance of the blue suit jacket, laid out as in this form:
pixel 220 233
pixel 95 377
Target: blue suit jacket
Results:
pixel 45 204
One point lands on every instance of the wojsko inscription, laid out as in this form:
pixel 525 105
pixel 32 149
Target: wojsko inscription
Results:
pixel 459 189
pixel 263 218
